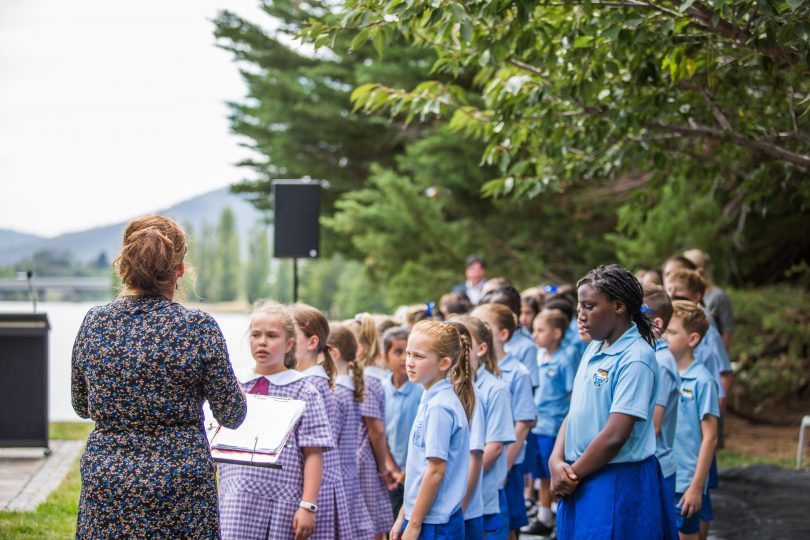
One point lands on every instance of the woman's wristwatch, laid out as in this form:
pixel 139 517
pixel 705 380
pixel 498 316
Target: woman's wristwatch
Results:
pixel 312 507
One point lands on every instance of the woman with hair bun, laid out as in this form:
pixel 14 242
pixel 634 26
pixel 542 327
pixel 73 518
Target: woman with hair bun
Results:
pixel 142 366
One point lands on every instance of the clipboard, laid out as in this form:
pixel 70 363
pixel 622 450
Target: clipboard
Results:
pixel 261 437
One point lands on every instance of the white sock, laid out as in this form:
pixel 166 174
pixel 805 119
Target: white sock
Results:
pixel 554 507
pixel 544 516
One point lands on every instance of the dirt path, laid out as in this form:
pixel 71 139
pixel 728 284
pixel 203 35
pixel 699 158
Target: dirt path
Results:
pixel 762 440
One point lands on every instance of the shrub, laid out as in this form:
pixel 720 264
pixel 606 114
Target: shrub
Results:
pixel 771 346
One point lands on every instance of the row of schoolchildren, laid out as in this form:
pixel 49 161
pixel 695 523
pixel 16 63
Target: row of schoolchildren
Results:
pixel 442 427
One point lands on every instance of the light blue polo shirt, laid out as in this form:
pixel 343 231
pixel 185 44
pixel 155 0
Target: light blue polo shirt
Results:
pixel 623 378
pixel 698 398
pixel 669 383
pixel 401 405
pixel 516 377
pixel 500 427
pixel 712 353
pixel 478 428
pixel 553 397
pixel 441 431
pixel 522 346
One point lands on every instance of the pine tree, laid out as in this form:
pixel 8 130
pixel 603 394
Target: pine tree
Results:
pixel 258 264
pixel 228 268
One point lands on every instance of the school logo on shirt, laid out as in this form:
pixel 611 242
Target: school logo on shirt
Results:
pixel 551 373
pixel 418 436
pixel 687 395
pixel 600 377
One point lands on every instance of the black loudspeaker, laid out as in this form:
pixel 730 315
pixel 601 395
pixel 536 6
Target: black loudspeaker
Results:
pixel 24 380
pixel 296 213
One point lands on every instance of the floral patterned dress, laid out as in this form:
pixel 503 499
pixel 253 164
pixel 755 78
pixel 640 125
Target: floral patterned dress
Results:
pixel 141 369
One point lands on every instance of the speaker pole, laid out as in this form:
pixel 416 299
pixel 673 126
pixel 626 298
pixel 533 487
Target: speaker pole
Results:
pixel 295 279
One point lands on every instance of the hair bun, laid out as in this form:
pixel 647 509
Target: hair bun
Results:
pixel 153 250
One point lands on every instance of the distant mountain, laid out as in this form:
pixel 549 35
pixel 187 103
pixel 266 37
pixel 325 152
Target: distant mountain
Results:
pixel 11 239
pixel 87 245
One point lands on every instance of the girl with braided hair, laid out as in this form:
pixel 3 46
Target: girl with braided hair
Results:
pixel 603 465
pixel 438 358
pixel 314 361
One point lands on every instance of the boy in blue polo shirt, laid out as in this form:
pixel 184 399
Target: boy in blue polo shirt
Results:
pixel 688 284
pixel 401 404
pixel 696 431
pixel 665 415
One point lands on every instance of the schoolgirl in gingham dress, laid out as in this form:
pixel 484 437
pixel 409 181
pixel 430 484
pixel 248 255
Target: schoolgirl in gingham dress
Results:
pixel 371 484
pixel 333 519
pixel 348 426
pixel 259 503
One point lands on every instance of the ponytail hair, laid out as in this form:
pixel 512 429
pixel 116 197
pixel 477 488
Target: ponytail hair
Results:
pixel 313 323
pixel 480 331
pixel 342 339
pixel 365 331
pixel 505 318
pixel 448 341
pixel 620 285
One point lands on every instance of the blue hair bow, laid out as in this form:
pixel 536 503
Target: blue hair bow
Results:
pixel 551 289
pixel 429 307
pixel 646 309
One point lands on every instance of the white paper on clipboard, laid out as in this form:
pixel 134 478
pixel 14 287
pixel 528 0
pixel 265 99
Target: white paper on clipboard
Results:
pixel 266 428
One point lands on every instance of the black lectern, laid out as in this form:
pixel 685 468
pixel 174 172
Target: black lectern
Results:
pixel 24 380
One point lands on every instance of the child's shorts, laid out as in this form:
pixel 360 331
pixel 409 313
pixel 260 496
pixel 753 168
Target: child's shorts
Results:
pixel 502 532
pixel 706 510
pixel 452 530
pixel 686 525
pixel 545 445
pixel 514 498
pixel 474 528
pixel 714 482
pixel 529 460
pixel 493 523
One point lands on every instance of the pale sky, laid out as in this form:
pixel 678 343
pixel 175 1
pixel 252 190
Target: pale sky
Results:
pixel 110 109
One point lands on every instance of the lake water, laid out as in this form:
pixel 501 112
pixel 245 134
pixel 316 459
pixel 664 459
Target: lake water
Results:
pixel 65 319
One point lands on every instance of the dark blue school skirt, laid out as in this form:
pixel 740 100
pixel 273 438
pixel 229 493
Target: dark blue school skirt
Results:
pixel 621 500
pixel 452 530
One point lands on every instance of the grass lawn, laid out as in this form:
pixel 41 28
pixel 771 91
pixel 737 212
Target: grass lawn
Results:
pixel 56 517
pixel 736 458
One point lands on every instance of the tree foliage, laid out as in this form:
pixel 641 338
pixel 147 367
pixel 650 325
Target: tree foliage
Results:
pixel 715 94
pixel 257 270
pixel 575 90
pixel 297 116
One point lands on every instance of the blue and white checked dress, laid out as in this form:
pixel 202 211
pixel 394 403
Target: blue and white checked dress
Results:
pixel 372 486
pixel 332 520
pixel 259 503
pixel 348 425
